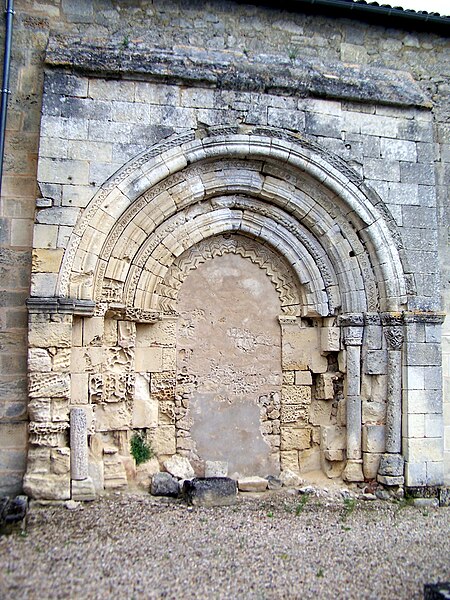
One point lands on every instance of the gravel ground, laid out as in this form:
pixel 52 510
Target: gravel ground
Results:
pixel 266 546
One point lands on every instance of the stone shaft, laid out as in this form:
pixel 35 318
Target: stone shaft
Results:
pixel 78 444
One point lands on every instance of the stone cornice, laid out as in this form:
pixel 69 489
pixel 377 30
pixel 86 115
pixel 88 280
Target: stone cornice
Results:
pixel 302 77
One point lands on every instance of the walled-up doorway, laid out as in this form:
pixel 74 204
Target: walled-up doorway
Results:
pixel 229 365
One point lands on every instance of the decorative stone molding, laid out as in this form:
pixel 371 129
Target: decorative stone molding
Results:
pixel 70 306
pixel 48 434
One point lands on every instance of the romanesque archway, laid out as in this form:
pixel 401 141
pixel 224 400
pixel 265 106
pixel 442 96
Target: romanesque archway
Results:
pixel 324 242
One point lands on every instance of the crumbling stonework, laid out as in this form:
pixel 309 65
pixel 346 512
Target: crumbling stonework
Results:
pixel 320 181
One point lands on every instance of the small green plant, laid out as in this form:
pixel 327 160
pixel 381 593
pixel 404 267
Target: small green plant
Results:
pixel 349 507
pixel 270 514
pixel 293 53
pixel 301 505
pixel 141 450
pixel 319 573
pixel 125 41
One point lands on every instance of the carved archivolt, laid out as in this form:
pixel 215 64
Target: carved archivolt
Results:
pixel 309 206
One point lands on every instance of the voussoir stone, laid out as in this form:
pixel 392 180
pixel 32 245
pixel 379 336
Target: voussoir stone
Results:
pixel 179 467
pixel 252 484
pixel 210 491
pixel 164 484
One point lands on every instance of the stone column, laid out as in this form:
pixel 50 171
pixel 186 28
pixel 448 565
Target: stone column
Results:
pixel 353 327
pixel 78 444
pixel 392 463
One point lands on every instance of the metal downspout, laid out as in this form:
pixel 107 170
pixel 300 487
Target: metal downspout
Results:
pixel 5 81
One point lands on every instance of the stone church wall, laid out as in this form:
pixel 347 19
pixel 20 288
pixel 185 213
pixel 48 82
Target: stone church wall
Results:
pixel 88 125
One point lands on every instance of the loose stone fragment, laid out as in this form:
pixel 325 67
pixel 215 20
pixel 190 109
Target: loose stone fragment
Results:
pixel 216 468
pixel 210 491
pixel 252 484
pixel 274 483
pixel 290 479
pixel 163 484
pixel 179 466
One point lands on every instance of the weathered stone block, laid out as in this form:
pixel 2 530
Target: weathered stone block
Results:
pixel 391 465
pixel 149 359
pixel 50 335
pixel 164 484
pixel 289 460
pixel 39 360
pixel 45 385
pixel 290 478
pixel 333 438
pixel 216 468
pixel 46 260
pixel 145 407
pixel 112 416
pixel 164 440
pixel 179 466
pixel 213 491
pixel 371 463
pixel 301 378
pixel 295 439
pixel 376 362
pixel 320 413
pixel 325 386
pixel 301 349
pixel 93 329
pixel 252 484
pixel 83 490
pixel 330 339
pixel 373 438
pixel 47 487
pixel 60 460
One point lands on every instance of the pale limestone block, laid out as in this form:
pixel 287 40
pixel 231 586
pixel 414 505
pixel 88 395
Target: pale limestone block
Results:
pixel 294 394
pixel 43 284
pixel 290 478
pixel 294 413
pixel 309 460
pixel 289 460
pixel 434 426
pixel 334 455
pixel 47 486
pixel 413 425
pixel 60 460
pixel 295 438
pixel 320 413
pixel 376 362
pixel 40 410
pixel 371 463
pixel 341 416
pixel 145 471
pixel 78 444
pixel 149 360
pixel 179 466
pixel 44 385
pixel 216 468
pixel 435 473
pixel 342 361
pixel 110 417
pixel 38 460
pixel 353 471
pixel 374 438
pixel 324 386
pixel 77 332
pixel 50 335
pixel 39 360
pixel 60 410
pixel 45 236
pixel 373 412
pixel 145 407
pixel 289 377
pixel 169 358
pixel 252 484
pixel 330 339
pixel 301 349
pixel 45 260
pixel 424 450
pixel 416 473
pixel 96 474
pixel 93 329
pixel 164 440
pixel 126 334
pixel 301 378
pixel 79 388
pixel 110 333
pixel 161 333
pixel 333 438
pixel 86 359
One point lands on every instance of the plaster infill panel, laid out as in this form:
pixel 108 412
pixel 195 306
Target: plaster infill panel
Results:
pixel 229 349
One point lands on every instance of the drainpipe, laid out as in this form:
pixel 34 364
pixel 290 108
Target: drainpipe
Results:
pixel 5 81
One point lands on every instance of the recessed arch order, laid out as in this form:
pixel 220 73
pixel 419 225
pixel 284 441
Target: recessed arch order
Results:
pixel 286 195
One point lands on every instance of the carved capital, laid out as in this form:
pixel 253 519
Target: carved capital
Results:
pixel 47 434
pixel 394 337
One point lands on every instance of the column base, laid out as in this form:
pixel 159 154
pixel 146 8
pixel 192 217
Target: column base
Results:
pixel 391 465
pixel 390 481
pixel 83 490
pixel 353 471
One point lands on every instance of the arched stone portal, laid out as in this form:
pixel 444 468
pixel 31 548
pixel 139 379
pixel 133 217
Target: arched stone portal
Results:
pixel 321 239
